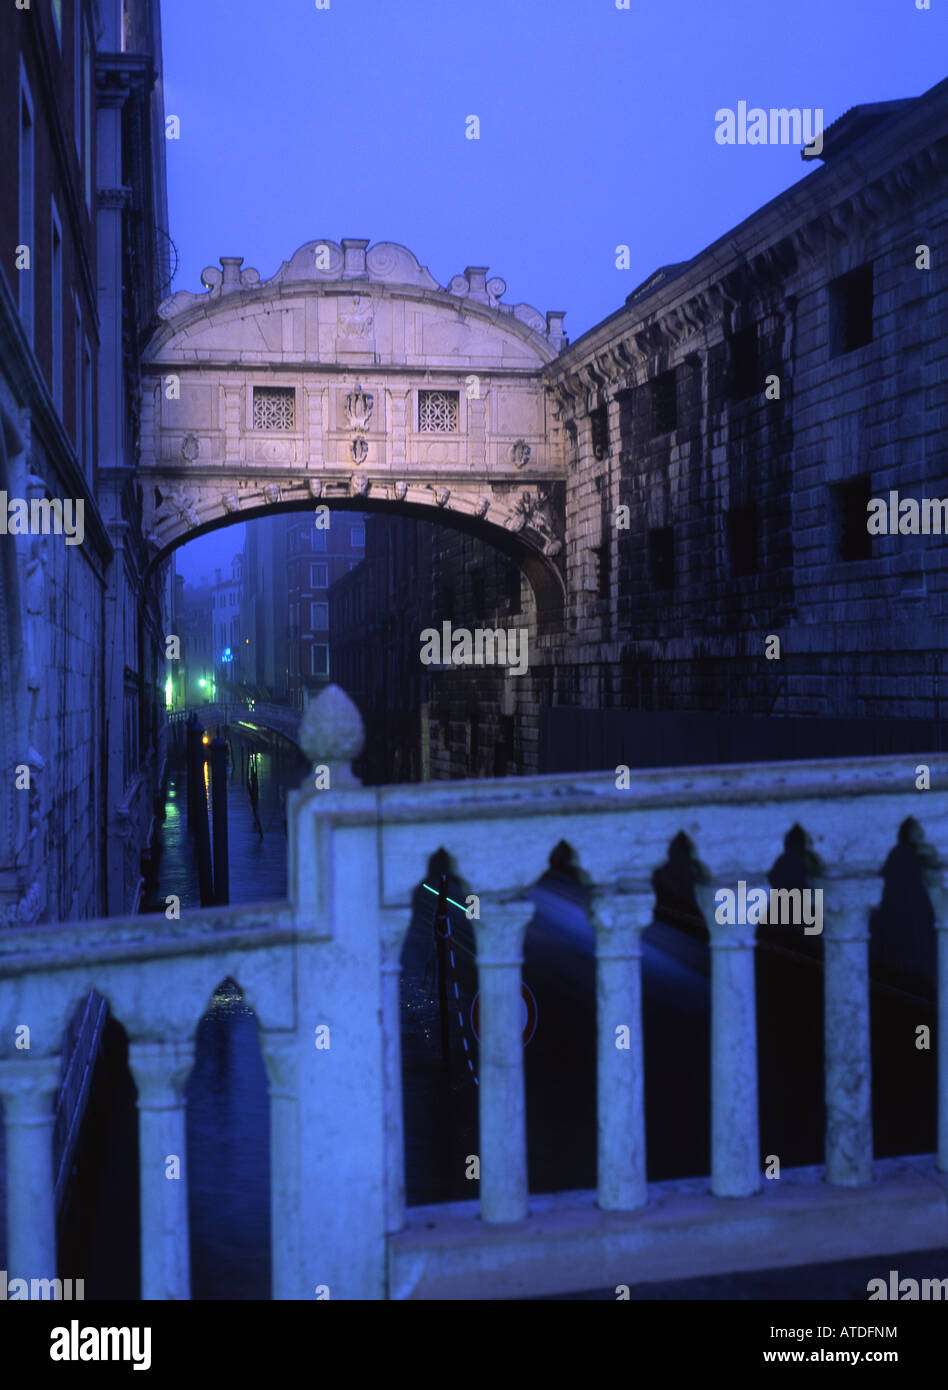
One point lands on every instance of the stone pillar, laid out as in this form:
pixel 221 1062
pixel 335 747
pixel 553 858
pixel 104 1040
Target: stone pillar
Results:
pixel 394 928
pixel 847 1041
pixel 281 1058
pixel 735 1138
pixel 28 1085
pixel 619 922
pixel 502 1108
pixel 160 1071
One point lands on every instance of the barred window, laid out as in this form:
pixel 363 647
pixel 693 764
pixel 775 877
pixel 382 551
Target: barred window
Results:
pixel 437 412
pixel 274 408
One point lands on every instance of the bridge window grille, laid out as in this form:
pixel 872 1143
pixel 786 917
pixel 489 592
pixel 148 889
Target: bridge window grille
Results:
pixel 274 408
pixel 437 412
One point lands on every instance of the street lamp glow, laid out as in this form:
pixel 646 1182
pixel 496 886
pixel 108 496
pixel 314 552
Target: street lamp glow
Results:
pixel 169 694
pixel 202 682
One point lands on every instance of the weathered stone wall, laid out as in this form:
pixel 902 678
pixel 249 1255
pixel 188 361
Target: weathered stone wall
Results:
pixel 737 526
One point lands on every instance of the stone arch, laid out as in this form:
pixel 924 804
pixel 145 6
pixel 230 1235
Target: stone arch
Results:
pixel 545 577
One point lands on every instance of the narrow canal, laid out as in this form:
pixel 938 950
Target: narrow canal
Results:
pixel 228 1121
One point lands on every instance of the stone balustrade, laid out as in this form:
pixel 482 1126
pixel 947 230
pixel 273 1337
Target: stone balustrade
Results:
pixel 329 959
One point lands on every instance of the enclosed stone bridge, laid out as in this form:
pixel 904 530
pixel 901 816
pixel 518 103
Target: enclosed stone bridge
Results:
pixel 352 378
pixel 327 962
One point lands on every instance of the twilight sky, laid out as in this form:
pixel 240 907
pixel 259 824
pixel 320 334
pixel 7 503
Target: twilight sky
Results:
pixel 596 129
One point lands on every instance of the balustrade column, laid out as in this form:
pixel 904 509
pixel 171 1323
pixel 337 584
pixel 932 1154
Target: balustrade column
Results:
pixel 735 1132
pixel 281 1057
pixel 28 1085
pixel 394 929
pixel 847 1040
pixel 619 922
pixel 502 1110
pixel 160 1071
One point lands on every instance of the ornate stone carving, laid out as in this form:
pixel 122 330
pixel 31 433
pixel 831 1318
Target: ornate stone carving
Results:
pixel 359 450
pixel 359 485
pixel 442 495
pixel 482 506
pixel 230 502
pixel 357 321
pixel 359 405
pixel 190 448
pixel 400 489
pixel 271 492
pixel 315 486
pixel 520 453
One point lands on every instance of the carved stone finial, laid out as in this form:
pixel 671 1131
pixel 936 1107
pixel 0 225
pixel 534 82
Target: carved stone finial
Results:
pixel 331 732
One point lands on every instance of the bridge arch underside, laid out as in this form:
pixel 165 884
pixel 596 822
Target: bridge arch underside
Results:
pixel 541 570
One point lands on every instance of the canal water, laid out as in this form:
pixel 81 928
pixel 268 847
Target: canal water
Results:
pixel 228 1120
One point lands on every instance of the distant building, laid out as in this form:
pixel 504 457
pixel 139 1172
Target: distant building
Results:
pixel 264 609
pixel 194 623
pixel 429 721
pixel 316 559
pixel 227 632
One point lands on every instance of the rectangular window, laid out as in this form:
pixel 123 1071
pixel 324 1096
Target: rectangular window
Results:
pixel 850 512
pixel 357 537
pixel 87 397
pixel 77 77
pixel 318 575
pixel 87 113
pixel 661 558
pixel 742 540
pixel 478 594
pixel 319 659
pixel 512 585
pixel 274 408
pixel 599 425
pixel 319 616
pixel 664 404
pixel 744 364
pixel 850 311
pixel 437 412
pixel 25 248
pixel 56 309
pixel 78 400
pixel 318 538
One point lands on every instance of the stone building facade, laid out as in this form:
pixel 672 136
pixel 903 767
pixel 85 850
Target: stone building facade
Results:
pixel 724 432
pixel 744 407
pixel 83 264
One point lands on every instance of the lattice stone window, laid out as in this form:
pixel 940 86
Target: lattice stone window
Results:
pixel 437 412
pixel 274 408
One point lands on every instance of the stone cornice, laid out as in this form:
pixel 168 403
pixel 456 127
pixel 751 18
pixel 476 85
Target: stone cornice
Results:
pixel 384 270
pixel 836 204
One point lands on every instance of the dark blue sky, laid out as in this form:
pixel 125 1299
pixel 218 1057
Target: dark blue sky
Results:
pixel 597 129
